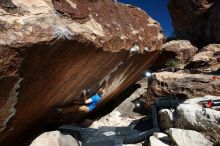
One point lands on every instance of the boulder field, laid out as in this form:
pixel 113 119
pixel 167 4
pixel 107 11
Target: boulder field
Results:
pixel 194 80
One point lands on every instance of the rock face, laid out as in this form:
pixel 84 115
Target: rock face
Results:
pixel 189 115
pixel 183 51
pixel 197 21
pixel 183 85
pixel 166 118
pixel 55 138
pixel 51 50
pixel 188 137
pixel 175 54
pixel 207 60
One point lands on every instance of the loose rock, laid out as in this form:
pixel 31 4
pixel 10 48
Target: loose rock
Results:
pixel 55 138
pixel 183 85
pixel 183 51
pixel 188 137
pixel 166 118
pixel 156 142
pixel 206 61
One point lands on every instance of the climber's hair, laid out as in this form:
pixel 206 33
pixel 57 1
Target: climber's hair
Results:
pixel 100 92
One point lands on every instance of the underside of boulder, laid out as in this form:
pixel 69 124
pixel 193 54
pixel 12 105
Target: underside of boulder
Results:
pixel 51 50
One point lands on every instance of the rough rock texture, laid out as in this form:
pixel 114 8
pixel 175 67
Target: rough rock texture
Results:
pixel 189 115
pixel 166 117
pixel 50 50
pixel 156 142
pixel 207 60
pixel 188 137
pixel 183 51
pixel 161 136
pixel 55 138
pixel 159 139
pixel 183 85
pixel 196 20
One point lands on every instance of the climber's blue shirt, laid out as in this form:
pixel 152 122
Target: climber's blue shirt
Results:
pixel 95 99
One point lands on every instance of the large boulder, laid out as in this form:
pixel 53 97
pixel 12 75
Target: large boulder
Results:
pixel 206 61
pixel 55 138
pixel 50 50
pixel 182 137
pixel 176 54
pixel 196 20
pixel 183 85
pixel 189 115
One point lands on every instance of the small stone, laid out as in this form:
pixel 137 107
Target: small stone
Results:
pixel 161 136
pixel 156 142
pixel 165 119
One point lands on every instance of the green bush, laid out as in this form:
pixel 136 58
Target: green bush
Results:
pixel 172 63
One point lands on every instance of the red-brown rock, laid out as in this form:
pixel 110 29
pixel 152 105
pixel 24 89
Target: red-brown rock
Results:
pixel 182 85
pixel 176 54
pixel 51 50
pixel 196 20
pixel 206 61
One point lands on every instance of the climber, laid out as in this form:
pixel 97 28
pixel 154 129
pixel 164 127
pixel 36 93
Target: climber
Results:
pixel 93 100
pixel 88 105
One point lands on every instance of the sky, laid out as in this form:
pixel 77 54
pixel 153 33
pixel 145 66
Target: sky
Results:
pixel 157 9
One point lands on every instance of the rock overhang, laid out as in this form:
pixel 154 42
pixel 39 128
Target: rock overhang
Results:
pixel 57 52
pixel 99 22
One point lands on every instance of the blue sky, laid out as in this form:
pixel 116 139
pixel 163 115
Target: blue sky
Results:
pixel 157 9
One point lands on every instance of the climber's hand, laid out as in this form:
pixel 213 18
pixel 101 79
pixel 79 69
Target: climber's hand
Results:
pixel 88 101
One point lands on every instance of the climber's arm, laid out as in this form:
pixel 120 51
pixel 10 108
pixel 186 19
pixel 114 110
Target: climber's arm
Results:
pixel 88 101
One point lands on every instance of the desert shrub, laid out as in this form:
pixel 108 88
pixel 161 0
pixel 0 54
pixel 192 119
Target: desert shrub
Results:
pixel 173 63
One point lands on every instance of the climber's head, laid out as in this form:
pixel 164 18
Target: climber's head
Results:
pixel 100 92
